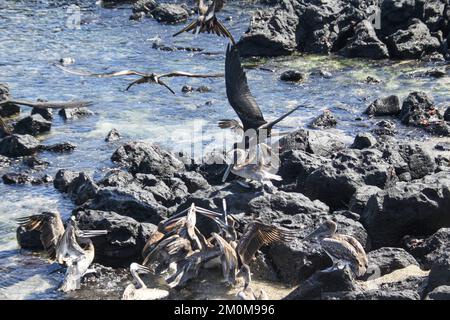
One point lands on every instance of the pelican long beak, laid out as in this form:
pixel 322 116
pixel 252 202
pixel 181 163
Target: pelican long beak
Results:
pixel 90 233
pixel 272 123
pixel 314 234
pixel 143 269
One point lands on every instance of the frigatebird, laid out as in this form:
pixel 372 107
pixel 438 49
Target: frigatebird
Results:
pixel 207 21
pixel 143 77
pixel 245 105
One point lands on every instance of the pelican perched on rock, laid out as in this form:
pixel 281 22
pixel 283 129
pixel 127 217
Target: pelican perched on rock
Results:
pixel 51 229
pixel 189 267
pixel 68 246
pixel 342 249
pixel 235 254
pixel 207 20
pixel 256 236
pixel 139 291
pixel 228 258
pixel 253 124
pixel 178 248
pixel 143 77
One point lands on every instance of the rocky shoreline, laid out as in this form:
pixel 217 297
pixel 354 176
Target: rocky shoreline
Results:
pixel 392 196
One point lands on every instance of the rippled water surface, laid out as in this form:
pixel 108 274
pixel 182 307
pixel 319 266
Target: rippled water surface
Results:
pixel 34 36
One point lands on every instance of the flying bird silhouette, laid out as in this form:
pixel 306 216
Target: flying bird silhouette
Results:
pixel 207 21
pixel 143 77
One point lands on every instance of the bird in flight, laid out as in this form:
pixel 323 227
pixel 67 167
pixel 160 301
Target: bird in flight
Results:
pixel 245 105
pixel 207 21
pixel 48 104
pixel 242 100
pixel 143 77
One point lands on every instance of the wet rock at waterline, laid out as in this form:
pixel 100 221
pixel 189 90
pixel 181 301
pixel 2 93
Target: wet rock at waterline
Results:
pixel 439 293
pixel 292 76
pixel 418 109
pixel 32 125
pixel 384 107
pixel 63 178
pixel 47 114
pixel 170 13
pixel 407 31
pixel 129 201
pixel 324 121
pixel 113 135
pixel 71 114
pixel 82 188
pixel 17 145
pixel 23 178
pixel 62 147
pixel 447 114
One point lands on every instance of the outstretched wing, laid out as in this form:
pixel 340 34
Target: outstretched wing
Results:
pixel 53 104
pixel 238 92
pixel 102 75
pixel 190 75
pixel 50 226
pixel 258 235
pixel 191 26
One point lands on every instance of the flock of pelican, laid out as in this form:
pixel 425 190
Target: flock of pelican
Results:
pixel 178 249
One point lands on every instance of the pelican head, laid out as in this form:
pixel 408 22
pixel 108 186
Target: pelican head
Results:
pixel 326 229
pixel 135 270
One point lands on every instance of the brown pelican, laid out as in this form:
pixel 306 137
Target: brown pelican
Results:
pixel 51 229
pixel 49 104
pixel 235 254
pixel 4 127
pixel 257 235
pixel 228 259
pixel 176 238
pixel 207 20
pixel 244 104
pixel 189 267
pixel 68 246
pixel 342 249
pixel 140 290
pixel 256 167
pixel 143 77
pixel 171 249
pixel 76 250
